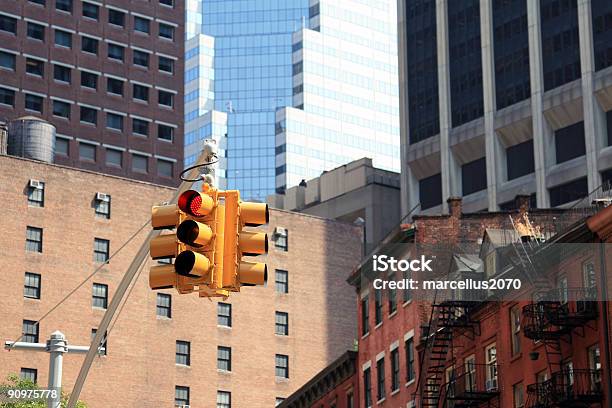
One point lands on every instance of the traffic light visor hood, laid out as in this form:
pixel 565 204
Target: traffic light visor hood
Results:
pixel 254 213
pixel 194 233
pixel 195 203
pixel 193 264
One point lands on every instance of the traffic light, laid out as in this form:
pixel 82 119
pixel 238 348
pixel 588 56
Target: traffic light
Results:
pixel 209 243
pixel 238 272
pixel 198 220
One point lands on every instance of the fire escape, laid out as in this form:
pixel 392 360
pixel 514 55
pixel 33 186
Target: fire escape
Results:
pixel 470 386
pixel 554 316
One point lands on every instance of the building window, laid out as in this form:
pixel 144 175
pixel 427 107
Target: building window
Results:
pixel 183 352
pixel 114 86
pixel 377 306
pixel 282 323
pixel 34 239
pixel 89 115
pixel 395 370
pixel 569 142
pixel 91 10
pixel 380 379
pixel 8 24
pixel 7 60
pixel 62 73
pixel 89 45
pixel 141 92
pixel 62 146
pixel 7 97
pixel 169 3
pixel 409 349
pixel 30 374
pixel 282 239
pixel 165 99
pixel 165 65
pixel 63 38
pixel 365 316
pixel 518 394
pixel 491 362
pixel 116 17
pixel 36 193
pixel 114 121
pixel 568 192
pixel 31 286
pixel 224 399
pixel 350 400
pixel 100 295
pixel 103 205
pixel 407 296
pixel 101 250
pixel 89 80
pixel 281 281
pixel 34 103
pixel 165 132
pixel 87 152
pixel 474 176
pixel 30 331
pixel 166 31
pixel 164 305
pixel 519 160
pixel 102 350
pixel 140 163
pixel 64 5
pixel 430 191
pixel 515 327
pixel 282 366
pixel 181 396
pixel 116 52
pixel 164 168
pixel 36 31
pixel 61 109
pixel 141 58
pixel 35 67
pixel 392 297
pixel 224 358
pixel 142 25
pixel 224 314
pixel 594 356
pixel 114 157
pixel 367 387
pixel 279 400
pixel 140 127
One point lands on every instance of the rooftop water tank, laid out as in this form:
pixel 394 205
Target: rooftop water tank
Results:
pixel 32 138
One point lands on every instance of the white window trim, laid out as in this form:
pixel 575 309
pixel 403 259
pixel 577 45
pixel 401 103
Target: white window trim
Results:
pixel 394 345
pixel 115 112
pixel 89 142
pixel 380 356
pixel 89 106
pixel 170 23
pixel 117 9
pixel 409 334
pixel 141 49
pixel 55 98
pixel 4 13
pixel 141 83
pixel 167 124
pixel 140 153
pixel 170 159
pixel 89 71
pixel 42 95
pixel 366 365
pixel 31 20
pixel 172 91
pixel 90 36
pixel 106 40
pixel 141 118
pixel 111 147
pixel 34 57
pixel 62 64
pixel 166 56
pixel 68 30
pixel 118 78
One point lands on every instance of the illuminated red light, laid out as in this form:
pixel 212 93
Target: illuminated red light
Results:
pixel 195 204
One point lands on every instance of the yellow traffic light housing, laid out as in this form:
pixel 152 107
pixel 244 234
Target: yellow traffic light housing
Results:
pixel 209 243
pixel 238 242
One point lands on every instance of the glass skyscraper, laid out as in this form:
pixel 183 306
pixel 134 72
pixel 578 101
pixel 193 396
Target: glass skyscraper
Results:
pixel 331 64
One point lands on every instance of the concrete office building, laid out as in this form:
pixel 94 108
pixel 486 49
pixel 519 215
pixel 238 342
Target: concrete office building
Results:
pixel 500 97
pixel 107 74
pixel 331 64
pixel 357 193
pixel 250 350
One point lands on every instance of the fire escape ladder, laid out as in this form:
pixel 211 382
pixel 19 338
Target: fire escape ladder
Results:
pixel 529 240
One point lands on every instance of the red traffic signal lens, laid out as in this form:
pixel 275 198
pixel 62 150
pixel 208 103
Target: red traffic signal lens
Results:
pixel 195 203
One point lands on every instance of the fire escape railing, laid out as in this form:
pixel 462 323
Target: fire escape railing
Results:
pixel 471 384
pixel 568 387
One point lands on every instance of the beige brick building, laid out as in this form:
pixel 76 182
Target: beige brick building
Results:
pixel 140 367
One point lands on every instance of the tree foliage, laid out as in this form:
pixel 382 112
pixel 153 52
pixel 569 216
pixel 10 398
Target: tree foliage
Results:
pixel 14 382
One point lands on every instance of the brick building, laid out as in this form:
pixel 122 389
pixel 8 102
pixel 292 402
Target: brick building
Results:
pixel 107 74
pixel 505 353
pixel 251 350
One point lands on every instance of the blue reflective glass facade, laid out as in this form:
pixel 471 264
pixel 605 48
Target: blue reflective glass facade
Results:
pixel 253 78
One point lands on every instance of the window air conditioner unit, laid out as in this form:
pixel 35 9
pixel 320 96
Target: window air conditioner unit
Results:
pixel 36 184
pixel 280 232
pixel 102 197
pixel 491 384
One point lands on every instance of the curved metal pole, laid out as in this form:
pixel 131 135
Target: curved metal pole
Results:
pixel 120 293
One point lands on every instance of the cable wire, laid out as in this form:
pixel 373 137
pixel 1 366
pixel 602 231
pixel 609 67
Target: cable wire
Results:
pixel 37 323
